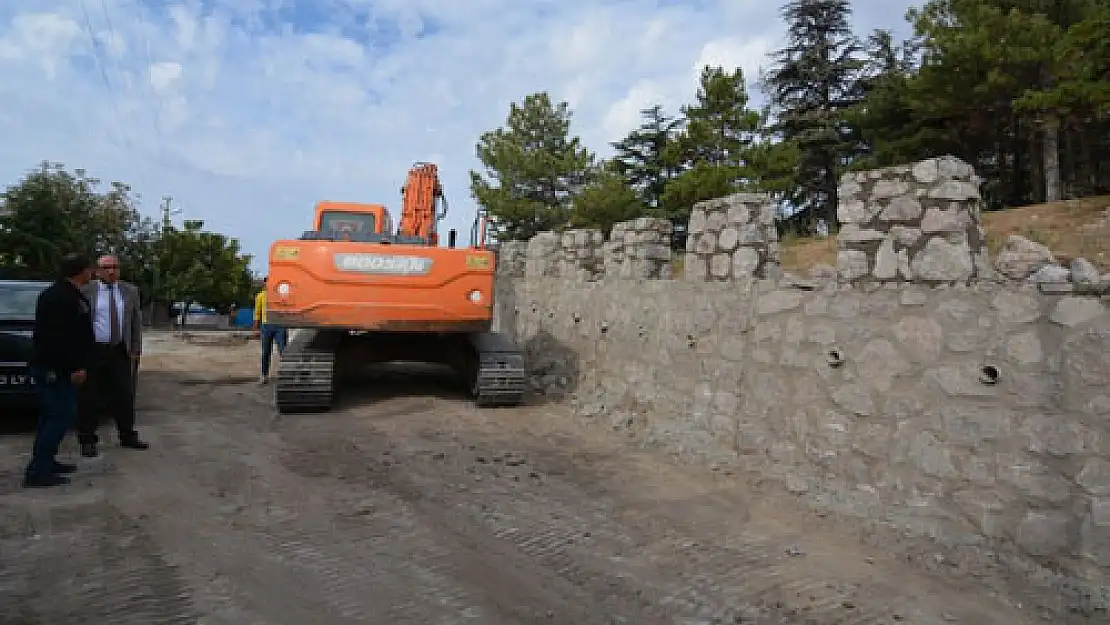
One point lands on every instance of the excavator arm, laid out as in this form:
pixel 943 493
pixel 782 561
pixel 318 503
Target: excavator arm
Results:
pixel 422 204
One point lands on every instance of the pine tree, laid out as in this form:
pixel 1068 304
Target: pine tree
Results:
pixel 534 169
pixel 715 146
pixel 815 79
pixel 645 159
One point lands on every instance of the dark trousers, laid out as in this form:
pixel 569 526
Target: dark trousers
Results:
pixel 57 412
pixel 269 335
pixel 109 390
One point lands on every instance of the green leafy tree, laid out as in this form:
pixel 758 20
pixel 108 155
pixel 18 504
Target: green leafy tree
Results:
pixel 715 146
pixel 199 267
pixel 885 123
pixel 994 86
pixel 720 126
pixel 606 201
pixel 701 182
pixel 533 169
pixel 52 212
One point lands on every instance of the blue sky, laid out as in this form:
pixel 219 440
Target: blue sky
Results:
pixel 247 112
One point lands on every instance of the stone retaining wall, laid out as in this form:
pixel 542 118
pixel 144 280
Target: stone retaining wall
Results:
pixel 971 407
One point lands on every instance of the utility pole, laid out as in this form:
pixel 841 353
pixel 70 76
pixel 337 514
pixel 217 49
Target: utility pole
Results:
pixel 157 277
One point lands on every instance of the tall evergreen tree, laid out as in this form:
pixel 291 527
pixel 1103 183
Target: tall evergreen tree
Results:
pixel 886 130
pixel 720 127
pixel 534 169
pixel 814 79
pixel 715 146
pixel 645 157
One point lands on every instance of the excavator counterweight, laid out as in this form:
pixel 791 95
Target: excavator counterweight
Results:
pixel 359 294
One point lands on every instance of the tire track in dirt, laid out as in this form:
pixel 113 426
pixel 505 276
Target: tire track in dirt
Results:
pixel 274 542
pixel 758 581
pixel 502 587
pixel 89 562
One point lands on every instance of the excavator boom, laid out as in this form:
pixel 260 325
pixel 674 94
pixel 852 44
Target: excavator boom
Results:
pixel 419 198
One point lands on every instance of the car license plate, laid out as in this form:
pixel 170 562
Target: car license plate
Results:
pixel 16 379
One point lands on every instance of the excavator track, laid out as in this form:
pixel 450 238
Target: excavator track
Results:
pixel 500 379
pixel 306 373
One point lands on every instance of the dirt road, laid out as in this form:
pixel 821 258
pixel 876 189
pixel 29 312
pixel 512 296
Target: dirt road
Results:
pixel 410 506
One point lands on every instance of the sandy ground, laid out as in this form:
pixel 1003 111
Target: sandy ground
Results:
pixel 408 505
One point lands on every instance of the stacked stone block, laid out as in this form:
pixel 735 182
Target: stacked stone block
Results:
pixel 915 222
pixel 579 255
pixel 639 249
pixel 512 258
pixel 733 237
pixel 543 257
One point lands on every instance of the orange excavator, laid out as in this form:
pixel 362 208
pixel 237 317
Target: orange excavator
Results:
pixel 360 293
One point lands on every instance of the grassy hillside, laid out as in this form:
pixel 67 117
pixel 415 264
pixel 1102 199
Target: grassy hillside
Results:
pixel 1072 228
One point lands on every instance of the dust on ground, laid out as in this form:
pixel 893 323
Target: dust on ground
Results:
pixel 408 505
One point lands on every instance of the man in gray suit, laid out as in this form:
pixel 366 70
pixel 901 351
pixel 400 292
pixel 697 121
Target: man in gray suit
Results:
pixel 117 325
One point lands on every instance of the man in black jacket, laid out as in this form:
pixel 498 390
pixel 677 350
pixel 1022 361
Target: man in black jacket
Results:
pixel 63 342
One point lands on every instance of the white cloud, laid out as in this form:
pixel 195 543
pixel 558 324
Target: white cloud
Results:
pixel 248 111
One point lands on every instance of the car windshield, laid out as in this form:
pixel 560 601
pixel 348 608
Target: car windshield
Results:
pixel 17 301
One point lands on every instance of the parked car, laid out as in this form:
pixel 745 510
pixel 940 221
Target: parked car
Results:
pixel 199 317
pixel 17 323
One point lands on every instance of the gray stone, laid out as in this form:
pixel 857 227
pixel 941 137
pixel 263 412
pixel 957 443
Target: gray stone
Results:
pixel 1043 533
pixel 851 233
pixel 1050 274
pixel 906 236
pixel 854 212
pixel 719 265
pixel 855 399
pixel 745 262
pixel 696 224
pixel 936 221
pixel 706 243
pixel 953 168
pixel 902 208
pixel 926 172
pixel 912 297
pixel 955 190
pixel 878 363
pixel 1084 272
pixel 921 336
pixel 1050 435
pixel 889 188
pixel 960 381
pixel 904 268
pixel 738 214
pixel 851 264
pixel 1020 257
pixel 940 261
pixel 1024 348
pixel 931 456
pixel 1016 307
pixel 1095 477
pixel 967 425
pixel 1073 311
pixel 728 239
pixel 886 261
pixel 778 301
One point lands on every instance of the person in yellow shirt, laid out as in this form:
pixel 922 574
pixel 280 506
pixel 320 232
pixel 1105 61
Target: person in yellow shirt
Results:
pixel 267 334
